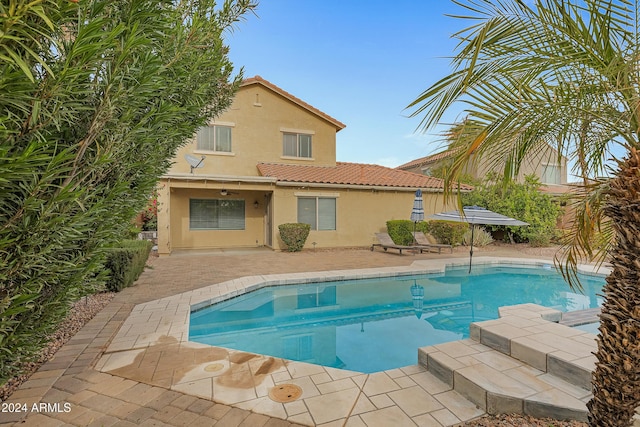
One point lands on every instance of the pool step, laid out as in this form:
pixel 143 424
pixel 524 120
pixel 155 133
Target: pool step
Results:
pixel 520 363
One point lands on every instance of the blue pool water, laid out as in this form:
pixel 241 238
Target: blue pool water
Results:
pixel 378 324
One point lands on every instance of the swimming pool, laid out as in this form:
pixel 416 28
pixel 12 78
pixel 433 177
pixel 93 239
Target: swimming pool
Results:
pixel 378 324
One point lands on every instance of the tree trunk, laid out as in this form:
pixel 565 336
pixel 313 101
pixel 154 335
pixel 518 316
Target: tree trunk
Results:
pixel 616 380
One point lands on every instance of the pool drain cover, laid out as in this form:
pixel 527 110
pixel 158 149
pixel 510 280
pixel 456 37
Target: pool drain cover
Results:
pixel 214 367
pixel 284 393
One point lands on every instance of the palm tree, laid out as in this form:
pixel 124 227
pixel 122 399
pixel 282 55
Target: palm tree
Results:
pixel 564 73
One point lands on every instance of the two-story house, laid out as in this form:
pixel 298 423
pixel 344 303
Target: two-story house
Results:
pixel 543 164
pixel 271 159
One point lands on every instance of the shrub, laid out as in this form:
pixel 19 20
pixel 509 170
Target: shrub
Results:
pixel 294 235
pixel 481 237
pixel 126 263
pixel 450 233
pixel 400 231
pixel 541 237
pixel 520 201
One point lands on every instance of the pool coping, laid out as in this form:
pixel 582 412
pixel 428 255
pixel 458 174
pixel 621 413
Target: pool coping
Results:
pixel 156 331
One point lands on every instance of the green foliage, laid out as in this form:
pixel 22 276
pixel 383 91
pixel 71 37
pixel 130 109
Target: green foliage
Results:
pixel 400 230
pixel 481 237
pixel 540 239
pixel 125 263
pixel 97 96
pixel 519 201
pixel 442 168
pixel 150 214
pixel 294 235
pixel 530 75
pixel 450 233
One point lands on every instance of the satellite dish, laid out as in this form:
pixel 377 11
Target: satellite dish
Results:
pixel 194 161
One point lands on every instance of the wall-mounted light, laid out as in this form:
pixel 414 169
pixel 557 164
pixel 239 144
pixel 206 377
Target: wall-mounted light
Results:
pixel 256 204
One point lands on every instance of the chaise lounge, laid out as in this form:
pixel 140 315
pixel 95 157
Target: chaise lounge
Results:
pixel 387 243
pixel 423 242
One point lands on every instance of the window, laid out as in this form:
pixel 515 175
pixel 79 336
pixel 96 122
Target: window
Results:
pixel 216 214
pixel 214 138
pixel 319 212
pixel 296 145
pixel 550 174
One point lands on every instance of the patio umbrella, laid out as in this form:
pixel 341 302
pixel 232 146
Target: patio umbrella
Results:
pixel 417 213
pixel 476 215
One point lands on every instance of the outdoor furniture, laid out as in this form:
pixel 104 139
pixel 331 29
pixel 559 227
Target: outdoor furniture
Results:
pixel 387 243
pixel 424 242
pixel 476 215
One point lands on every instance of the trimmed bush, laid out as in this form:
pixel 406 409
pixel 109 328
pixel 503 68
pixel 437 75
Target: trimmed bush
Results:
pixel 126 263
pixel 450 233
pixel 294 235
pixel 400 231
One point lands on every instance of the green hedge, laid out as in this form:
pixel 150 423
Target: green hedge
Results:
pixel 448 232
pixel 400 230
pixel 126 262
pixel 294 235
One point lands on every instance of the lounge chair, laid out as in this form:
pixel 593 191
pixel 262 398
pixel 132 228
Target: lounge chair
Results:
pixel 425 243
pixel 387 243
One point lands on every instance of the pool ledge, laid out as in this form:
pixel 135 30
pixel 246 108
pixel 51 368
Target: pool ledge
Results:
pixel 152 347
pixel 522 363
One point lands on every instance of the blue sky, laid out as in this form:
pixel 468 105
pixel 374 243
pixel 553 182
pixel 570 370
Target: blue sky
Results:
pixel 359 61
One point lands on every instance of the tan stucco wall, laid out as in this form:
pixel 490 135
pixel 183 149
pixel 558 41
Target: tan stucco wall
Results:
pixel 533 164
pixel 256 135
pixel 173 215
pixel 360 214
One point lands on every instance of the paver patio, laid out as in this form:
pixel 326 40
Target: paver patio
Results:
pixel 137 390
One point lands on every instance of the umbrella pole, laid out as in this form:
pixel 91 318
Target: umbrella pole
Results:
pixel 473 228
pixel 414 231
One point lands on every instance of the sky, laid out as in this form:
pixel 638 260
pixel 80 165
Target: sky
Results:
pixel 360 61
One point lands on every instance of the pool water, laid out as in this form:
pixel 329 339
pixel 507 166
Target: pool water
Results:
pixel 378 324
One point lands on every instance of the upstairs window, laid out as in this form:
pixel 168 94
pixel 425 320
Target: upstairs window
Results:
pixel 214 138
pixel 296 145
pixel 550 174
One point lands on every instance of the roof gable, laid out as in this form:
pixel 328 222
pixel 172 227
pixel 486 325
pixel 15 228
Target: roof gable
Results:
pixel 267 84
pixel 352 174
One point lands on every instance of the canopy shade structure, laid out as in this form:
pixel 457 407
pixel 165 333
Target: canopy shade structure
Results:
pixel 476 215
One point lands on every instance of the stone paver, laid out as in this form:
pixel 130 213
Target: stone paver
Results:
pixel 145 381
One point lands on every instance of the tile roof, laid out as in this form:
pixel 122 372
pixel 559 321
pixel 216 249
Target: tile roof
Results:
pixel 351 174
pixel 424 160
pixel 259 80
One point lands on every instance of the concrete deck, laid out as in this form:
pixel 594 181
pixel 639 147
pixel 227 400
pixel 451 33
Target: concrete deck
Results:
pixel 151 374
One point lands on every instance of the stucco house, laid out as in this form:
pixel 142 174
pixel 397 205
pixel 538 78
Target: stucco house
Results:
pixel 544 165
pixel 271 159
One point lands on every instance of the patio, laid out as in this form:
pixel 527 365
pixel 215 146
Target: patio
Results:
pixel 126 396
